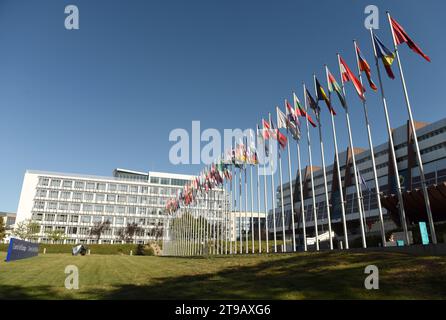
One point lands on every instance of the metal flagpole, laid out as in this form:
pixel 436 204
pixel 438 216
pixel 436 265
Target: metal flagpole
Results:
pixel 252 210
pixel 246 208
pixel 341 192
pixel 291 196
pixel 327 200
pixel 281 202
pixel 258 209
pixel 240 230
pixel 392 147
pixel 265 200
pixel 414 132
pixel 302 204
pixel 347 117
pixel 372 155
pixel 311 172
pixel 273 192
pixel 232 198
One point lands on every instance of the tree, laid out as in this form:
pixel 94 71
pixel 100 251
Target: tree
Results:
pixel 99 228
pixel 26 229
pixel 2 229
pixel 127 233
pixel 56 235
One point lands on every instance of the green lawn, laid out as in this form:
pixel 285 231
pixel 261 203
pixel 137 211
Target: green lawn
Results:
pixel 281 276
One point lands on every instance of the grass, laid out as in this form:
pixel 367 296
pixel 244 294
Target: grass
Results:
pixel 326 275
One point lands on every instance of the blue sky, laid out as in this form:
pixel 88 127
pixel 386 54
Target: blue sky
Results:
pixel 107 95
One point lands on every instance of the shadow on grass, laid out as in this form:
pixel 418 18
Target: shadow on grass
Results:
pixel 303 276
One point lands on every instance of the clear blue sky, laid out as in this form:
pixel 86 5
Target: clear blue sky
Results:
pixel 108 95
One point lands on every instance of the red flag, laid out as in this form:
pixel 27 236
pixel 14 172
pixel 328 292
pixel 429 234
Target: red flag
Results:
pixel 347 75
pixel 266 128
pixel 401 36
pixel 365 67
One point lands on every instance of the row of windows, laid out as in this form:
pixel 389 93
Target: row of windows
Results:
pixel 91 185
pixel 51 217
pixel 77 207
pixel 101 197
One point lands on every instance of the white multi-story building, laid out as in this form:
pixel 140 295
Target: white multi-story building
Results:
pixel 73 203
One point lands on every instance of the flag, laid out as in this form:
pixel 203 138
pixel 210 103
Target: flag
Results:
pixel 362 180
pixel 302 112
pixel 401 36
pixel 291 114
pixel 297 106
pixel 281 119
pixel 334 86
pixel 266 129
pixel 261 139
pixel 385 55
pixel 365 67
pixel 279 136
pixel 321 95
pixel 312 103
pixel 347 75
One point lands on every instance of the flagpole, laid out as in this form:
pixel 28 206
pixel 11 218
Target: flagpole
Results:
pixel 273 192
pixel 372 154
pixel 302 204
pixel 327 200
pixel 258 209
pixel 392 147
pixel 240 231
pixel 281 201
pixel 232 208
pixel 347 117
pixel 265 200
pixel 291 196
pixel 341 192
pixel 246 208
pixel 311 172
pixel 252 210
pixel 414 132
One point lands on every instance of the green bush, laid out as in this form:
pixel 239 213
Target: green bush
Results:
pixel 112 249
pixel 144 250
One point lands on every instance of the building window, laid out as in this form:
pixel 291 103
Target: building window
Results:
pixel 112 187
pixel 154 180
pixel 101 186
pixel 88 207
pixel 37 216
pixel 47 229
pixel 121 209
pixel 99 208
pixel 63 206
pixel 77 196
pixel 109 209
pixel 144 189
pixel 134 189
pixel 132 210
pixel 132 199
pixel 79 185
pixel 100 197
pixel 122 188
pixel 61 218
pixel 55 183
pixel 119 220
pixel 54 194
pixel 85 219
pixel 122 198
pixel 49 216
pixel 88 197
pixel 74 219
pixel 72 230
pixel 44 181
pixel 67 184
pixel 165 181
pixel 65 195
pixel 111 198
pixel 75 207
pixel 97 219
pixel 39 205
pixel 90 185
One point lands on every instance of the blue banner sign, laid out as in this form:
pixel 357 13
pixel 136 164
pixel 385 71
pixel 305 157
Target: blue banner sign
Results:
pixel 424 234
pixel 20 249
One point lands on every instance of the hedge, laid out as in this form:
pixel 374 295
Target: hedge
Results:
pixel 112 249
